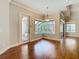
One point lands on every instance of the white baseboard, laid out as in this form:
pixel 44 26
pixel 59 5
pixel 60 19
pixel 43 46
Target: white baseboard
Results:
pixel 52 39
pixel 4 50
pixel 15 45
pixel 11 46
pixel 35 39
pixel 72 36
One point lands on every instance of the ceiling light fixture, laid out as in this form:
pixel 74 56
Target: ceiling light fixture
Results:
pixel 47 16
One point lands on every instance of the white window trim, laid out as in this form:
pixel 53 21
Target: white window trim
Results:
pixel 70 31
pixel 47 21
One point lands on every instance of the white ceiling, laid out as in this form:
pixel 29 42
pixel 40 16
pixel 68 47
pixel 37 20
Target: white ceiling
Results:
pixel 53 5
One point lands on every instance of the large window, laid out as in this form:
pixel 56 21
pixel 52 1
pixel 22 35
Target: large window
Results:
pixel 45 27
pixel 70 27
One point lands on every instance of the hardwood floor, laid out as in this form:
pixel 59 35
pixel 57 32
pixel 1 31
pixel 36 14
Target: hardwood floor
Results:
pixel 72 48
pixel 45 49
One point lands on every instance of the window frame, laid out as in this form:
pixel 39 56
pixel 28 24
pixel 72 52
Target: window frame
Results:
pixel 71 27
pixel 53 32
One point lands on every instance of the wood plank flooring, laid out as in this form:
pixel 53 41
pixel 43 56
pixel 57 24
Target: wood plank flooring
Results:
pixel 45 49
pixel 72 48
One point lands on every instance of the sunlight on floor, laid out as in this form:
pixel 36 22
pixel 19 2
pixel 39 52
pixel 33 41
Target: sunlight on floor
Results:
pixel 46 49
pixel 71 44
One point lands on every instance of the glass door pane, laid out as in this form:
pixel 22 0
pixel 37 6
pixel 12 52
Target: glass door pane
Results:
pixel 25 28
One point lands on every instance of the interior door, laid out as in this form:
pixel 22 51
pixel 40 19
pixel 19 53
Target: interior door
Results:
pixel 24 28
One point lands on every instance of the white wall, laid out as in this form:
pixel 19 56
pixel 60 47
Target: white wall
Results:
pixel 15 12
pixel 9 27
pixel 4 25
pixel 74 20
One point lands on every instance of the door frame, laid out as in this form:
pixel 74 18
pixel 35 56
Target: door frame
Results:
pixel 21 15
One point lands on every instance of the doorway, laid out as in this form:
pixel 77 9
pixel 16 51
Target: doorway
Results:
pixel 61 29
pixel 24 28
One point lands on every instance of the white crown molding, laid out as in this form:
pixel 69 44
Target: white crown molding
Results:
pixel 29 8
pixel 26 7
